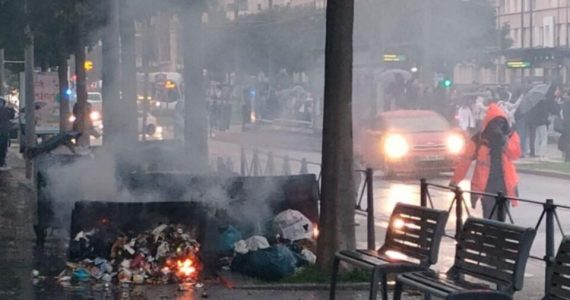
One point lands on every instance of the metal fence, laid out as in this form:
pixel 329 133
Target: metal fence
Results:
pixel 254 162
pixel 501 212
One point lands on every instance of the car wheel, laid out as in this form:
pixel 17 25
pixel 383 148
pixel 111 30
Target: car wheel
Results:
pixel 150 129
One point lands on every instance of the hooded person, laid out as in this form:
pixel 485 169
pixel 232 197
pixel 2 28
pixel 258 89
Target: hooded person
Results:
pixel 494 150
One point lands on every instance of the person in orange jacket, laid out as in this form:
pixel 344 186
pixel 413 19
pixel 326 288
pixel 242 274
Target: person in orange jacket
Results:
pixel 494 150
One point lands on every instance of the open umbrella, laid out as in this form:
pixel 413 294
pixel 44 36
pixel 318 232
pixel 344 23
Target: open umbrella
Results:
pixel 534 96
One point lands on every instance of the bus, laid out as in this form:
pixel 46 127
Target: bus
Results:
pixel 165 91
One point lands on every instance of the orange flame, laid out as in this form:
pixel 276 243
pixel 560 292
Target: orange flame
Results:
pixel 186 267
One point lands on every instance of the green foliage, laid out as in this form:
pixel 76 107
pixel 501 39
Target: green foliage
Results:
pixel 288 37
pixel 12 25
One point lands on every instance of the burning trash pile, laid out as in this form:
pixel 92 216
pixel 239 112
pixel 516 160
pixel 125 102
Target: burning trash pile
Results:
pixel 166 254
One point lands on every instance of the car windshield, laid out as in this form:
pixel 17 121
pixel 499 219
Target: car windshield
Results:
pixel 417 124
pixel 94 97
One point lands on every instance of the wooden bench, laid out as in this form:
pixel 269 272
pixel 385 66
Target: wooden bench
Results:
pixel 489 255
pixel 412 243
pixel 560 273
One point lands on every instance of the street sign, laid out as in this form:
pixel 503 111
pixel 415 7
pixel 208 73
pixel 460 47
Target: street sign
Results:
pixel 518 64
pixel 394 58
pixel 46 92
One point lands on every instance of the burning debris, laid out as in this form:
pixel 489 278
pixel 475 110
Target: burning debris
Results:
pixel 166 254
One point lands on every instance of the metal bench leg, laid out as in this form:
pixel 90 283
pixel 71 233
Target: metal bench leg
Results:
pixel 374 284
pixel 334 276
pixel 384 286
pixel 398 291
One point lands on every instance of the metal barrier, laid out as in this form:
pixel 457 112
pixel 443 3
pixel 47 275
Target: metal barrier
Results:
pixel 261 163
pixel 501 210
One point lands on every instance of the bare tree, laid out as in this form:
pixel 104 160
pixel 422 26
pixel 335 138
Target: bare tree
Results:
pixel 338 192
pixel 195 110
pixel 111 73
pixel 128 71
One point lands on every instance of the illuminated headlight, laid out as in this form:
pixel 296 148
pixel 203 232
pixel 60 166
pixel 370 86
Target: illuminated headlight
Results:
pixel 455 143
pixel 157 104
pixel 396 146
pixel 72 119
pixel 95 116
pixel 159 129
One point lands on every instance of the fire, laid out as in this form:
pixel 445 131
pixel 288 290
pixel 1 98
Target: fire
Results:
pixel 315 232
pixel 186 267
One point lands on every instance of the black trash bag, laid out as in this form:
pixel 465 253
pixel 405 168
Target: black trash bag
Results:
pixel 271 264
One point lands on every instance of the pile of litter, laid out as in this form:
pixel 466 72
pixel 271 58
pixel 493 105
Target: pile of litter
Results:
pixel 166 254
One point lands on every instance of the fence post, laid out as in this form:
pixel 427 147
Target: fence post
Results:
pixel 304 168
pixel 255 169
pixel 458 211
pixel 550 209
pixel 286 166
pixel 370 209
pixel 243 162
pixel 423 192
pixel 270 169
pixel 501 207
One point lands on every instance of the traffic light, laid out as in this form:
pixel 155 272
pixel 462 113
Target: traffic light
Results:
pixel 446 83
pixel 88 65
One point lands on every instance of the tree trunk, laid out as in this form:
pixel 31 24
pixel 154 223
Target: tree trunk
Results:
pixel 63 96
pixel 338 192
pixel 195 113
pixel 129 72
pixel 112 112
pixel 81 87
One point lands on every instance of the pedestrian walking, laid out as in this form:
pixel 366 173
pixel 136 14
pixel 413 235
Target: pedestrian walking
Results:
pixel 465 117
pixel 494 150
pixel 7 114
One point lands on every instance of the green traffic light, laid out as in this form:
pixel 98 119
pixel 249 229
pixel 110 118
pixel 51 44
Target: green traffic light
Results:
pixel 447 83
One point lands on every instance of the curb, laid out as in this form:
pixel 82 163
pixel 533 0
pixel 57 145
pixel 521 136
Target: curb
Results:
pixel 303 286
pixel 544 173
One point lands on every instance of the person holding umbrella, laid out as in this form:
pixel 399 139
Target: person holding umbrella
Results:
pixel 532 117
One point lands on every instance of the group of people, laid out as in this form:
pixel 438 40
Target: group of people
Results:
pixel 532 124
pixel 500 131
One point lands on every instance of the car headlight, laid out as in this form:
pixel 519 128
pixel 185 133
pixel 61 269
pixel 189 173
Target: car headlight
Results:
pixel 72 119
pixel 455 143
pixel 159 129
pixel 396 146
pixel 95 116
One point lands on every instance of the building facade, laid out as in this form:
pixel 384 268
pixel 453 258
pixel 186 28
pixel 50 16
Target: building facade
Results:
pixel 540 31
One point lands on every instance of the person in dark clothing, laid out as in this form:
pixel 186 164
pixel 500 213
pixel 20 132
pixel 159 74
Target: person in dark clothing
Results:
pixel 564 141
pixel 7 114
pixel 537 122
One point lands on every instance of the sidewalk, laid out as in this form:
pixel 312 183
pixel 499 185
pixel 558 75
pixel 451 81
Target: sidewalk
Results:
pixel 553 165
pixel 263 138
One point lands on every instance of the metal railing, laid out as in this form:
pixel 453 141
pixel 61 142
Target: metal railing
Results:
pixel 501 211
pixel 266 163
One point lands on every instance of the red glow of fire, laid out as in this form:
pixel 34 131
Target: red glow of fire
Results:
pixel 186 267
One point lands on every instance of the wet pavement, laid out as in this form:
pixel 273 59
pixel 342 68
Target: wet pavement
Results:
pixel 18 257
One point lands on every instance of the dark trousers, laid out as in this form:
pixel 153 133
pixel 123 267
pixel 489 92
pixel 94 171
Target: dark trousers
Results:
pixel 531 131
pixel 4 142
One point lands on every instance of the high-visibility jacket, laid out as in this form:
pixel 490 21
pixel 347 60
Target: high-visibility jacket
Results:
pixel 482 156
